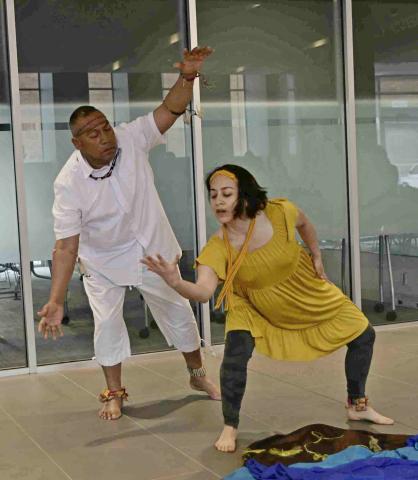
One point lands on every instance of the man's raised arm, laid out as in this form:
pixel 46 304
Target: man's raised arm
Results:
pixel 180 94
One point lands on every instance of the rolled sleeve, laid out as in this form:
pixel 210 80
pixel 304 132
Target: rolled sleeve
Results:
pixel 66 212
pixel 213 256
pixel 145 132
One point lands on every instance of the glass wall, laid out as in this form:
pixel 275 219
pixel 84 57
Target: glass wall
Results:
pixel 273 103
pixel 119 60
pixel 12 327
pixel 276 109
pixel 386 82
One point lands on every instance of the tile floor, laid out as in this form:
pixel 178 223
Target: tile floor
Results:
pixel 50 429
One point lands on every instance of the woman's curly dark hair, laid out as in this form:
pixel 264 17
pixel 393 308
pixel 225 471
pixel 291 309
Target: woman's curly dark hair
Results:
pixel 251 197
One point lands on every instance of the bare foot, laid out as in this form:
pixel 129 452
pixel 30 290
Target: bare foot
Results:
pixel 111 410
pixel 227 442
pixel 203 384
pixel 369 415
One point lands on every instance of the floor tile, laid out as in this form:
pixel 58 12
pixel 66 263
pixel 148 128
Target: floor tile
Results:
pixel 91 447
pixel 175 369
pixel 51 430
pixel 44 393
pixel 22 458
pixel 140 382
pixel 199 475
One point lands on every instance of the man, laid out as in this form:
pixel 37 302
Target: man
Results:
pixel 107 212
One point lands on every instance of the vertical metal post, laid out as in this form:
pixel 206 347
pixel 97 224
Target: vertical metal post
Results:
pixel 339 60
pixel 353 192
pixel 391 283
pixel 343 259
pixel 381 254
pixel 20 186
pixel 199 167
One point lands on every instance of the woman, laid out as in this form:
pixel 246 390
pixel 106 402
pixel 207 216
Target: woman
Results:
pixel 278 297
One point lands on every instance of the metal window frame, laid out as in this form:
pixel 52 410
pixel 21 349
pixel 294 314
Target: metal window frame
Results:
pixel 351 150
pixel 197 148
pixel 20 188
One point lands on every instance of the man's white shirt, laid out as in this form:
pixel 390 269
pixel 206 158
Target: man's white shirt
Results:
pixel 119 218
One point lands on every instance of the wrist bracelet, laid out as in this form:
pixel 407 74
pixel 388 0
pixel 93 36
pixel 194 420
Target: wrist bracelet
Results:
pixel 189 78
pixel 177 114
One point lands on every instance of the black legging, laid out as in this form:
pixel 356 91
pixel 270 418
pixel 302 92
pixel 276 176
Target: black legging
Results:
pixel 239 346
pixel 357 363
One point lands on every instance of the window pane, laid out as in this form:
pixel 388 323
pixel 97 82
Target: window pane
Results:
pixel 113 59
pixel 31 126
pixel 100 80
pixel 398 85
pixel 277 109
pixel 103 100
pixel 386 75
pixel 12 326
pixel 28 80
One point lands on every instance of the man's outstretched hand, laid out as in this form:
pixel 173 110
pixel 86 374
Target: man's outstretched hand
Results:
pixel 193 60
pixel 51 317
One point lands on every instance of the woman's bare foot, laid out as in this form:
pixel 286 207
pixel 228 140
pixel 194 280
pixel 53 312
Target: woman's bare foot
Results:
pixel 369 414
pixel 203 384
pixel 227 442
pixel 112 410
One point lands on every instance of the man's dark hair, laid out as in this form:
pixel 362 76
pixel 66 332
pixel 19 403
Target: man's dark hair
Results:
pixel 80 112
pixel 251 197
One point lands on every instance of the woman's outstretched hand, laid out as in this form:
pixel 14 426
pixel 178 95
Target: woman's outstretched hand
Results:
pixel 168 271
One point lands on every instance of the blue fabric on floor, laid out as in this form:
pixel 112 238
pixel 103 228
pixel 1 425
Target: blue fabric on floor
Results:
pixel 240 474
pixel 346 456
pixel 370 468
pixel 413 442
pixel 356 452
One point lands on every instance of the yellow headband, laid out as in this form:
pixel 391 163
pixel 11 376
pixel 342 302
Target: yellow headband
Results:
pixel 225 173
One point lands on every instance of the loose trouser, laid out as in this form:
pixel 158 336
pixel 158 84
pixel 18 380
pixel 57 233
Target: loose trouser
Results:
pixel 239 346
pixel 172 313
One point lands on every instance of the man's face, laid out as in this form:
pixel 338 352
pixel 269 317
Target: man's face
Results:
pixel 95 138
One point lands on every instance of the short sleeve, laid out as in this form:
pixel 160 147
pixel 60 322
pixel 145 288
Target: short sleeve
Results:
pixel 66 212
pixel 213 255
pixel 291 213
pixel 145 132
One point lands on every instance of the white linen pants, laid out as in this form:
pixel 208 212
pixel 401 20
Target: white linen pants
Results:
pixel 172 313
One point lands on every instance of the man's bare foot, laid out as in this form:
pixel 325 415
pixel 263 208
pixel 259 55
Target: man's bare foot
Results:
pixel 112 410
pixel 369 414
pixel 203 384
pixel 227 442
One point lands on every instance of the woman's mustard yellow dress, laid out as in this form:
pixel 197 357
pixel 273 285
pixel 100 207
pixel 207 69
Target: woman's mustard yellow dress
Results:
pixel 291 313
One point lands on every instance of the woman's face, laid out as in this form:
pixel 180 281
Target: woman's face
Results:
pixel 223 198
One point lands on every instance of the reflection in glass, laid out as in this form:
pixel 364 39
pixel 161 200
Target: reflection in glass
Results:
pixel 386 75
pixel 12 329
pixel 276 109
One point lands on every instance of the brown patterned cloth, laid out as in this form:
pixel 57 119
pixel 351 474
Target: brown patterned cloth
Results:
pixel 313 443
